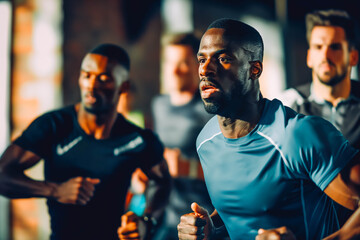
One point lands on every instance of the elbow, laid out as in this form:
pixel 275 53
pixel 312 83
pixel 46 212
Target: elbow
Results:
pixel 4 190
pixel 355 175
pixel 7 184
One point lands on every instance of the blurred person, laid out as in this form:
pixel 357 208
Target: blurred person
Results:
pixel 331 35
pixel 135 199
pixel 126 106
pixel 89 152
pixel 267 168
pixel 178 118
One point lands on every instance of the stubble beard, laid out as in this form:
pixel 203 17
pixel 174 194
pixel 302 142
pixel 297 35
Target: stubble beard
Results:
pixel 212 107
pixel 97 110
pixel 216 106
pixel 332 81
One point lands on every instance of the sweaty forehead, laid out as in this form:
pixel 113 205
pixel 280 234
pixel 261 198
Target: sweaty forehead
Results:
pixel 95 62
pixel 215 40
pixel 327 34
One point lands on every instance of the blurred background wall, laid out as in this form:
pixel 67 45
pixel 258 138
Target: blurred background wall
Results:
pixel 43 42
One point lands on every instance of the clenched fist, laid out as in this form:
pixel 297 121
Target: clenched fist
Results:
pixel 129 227
pixel 281 233
pixel 76 190
pixel 196 225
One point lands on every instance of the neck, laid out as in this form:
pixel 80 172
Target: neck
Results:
pixel 237 127
pixel 178 98
pixel 332 94
pixel 96 125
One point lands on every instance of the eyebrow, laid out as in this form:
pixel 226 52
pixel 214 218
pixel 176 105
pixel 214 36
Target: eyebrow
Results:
pixel 102 73
pixel 218 52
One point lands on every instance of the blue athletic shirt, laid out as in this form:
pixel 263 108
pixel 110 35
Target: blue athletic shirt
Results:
pixel 275 175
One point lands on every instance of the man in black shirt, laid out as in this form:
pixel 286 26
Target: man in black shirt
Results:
pixel 90 152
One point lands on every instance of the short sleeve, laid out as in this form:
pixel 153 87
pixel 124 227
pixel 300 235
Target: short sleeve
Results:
pixel 321 150
pixel 38 136
pixel 154 150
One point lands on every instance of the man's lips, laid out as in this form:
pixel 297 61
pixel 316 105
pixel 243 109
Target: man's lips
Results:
pixel 208 89
pixel 90 98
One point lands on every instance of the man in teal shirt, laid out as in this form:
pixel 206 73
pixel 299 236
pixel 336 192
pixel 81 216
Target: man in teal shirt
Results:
pixel 265 166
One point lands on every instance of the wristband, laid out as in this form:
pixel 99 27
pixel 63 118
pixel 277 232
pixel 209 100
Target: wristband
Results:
pixel 150 224
pixel 221 232
pixel 149 220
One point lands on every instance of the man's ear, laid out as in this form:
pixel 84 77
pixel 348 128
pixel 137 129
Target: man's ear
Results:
pixel 309 59
pixel 255 69
pixel 354 57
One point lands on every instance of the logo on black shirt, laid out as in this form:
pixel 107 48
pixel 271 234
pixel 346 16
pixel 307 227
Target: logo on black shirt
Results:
pixel 130 145
pixel 61 150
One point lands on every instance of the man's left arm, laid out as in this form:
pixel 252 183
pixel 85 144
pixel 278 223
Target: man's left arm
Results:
pixel 345 190
pixel 345 187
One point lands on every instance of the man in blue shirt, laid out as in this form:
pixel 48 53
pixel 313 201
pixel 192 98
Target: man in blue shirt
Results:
pixel 332 95
pixel 265 166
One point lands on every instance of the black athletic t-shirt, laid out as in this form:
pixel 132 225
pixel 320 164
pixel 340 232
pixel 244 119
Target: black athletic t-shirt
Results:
pixel 69 152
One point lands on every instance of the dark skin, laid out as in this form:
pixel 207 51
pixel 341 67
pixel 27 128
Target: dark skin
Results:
pixel 101 82
pixel 228 75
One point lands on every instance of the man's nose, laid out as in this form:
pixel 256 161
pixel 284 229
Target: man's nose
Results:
pixel 180 68
pixel 326 52
pixel 207 68
pixel 92 82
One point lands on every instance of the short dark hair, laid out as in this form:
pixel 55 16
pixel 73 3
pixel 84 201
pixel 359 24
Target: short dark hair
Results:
pixel 332 17
pixel 113 52
pixel 186 39
pixel 247 36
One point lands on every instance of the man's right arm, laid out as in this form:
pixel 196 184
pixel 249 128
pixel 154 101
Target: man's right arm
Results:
pixel 15 184
pixel 200 224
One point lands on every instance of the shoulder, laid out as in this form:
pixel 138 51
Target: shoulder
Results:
pixel 62 114
pixel 276 114
pixel 149 137
pixel 160 100
pixel 123 126
pixel 209 131
pixel 312 132
pixel 355 88
pixel 295 96
pixel 54 118
pixel 275 120
pixel 290 129
pixel 46 130
pixel 154 148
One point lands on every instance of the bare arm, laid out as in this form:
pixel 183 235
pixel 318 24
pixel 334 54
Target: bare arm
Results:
pixel 15 184
pixel 350 230
pixel 345 188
